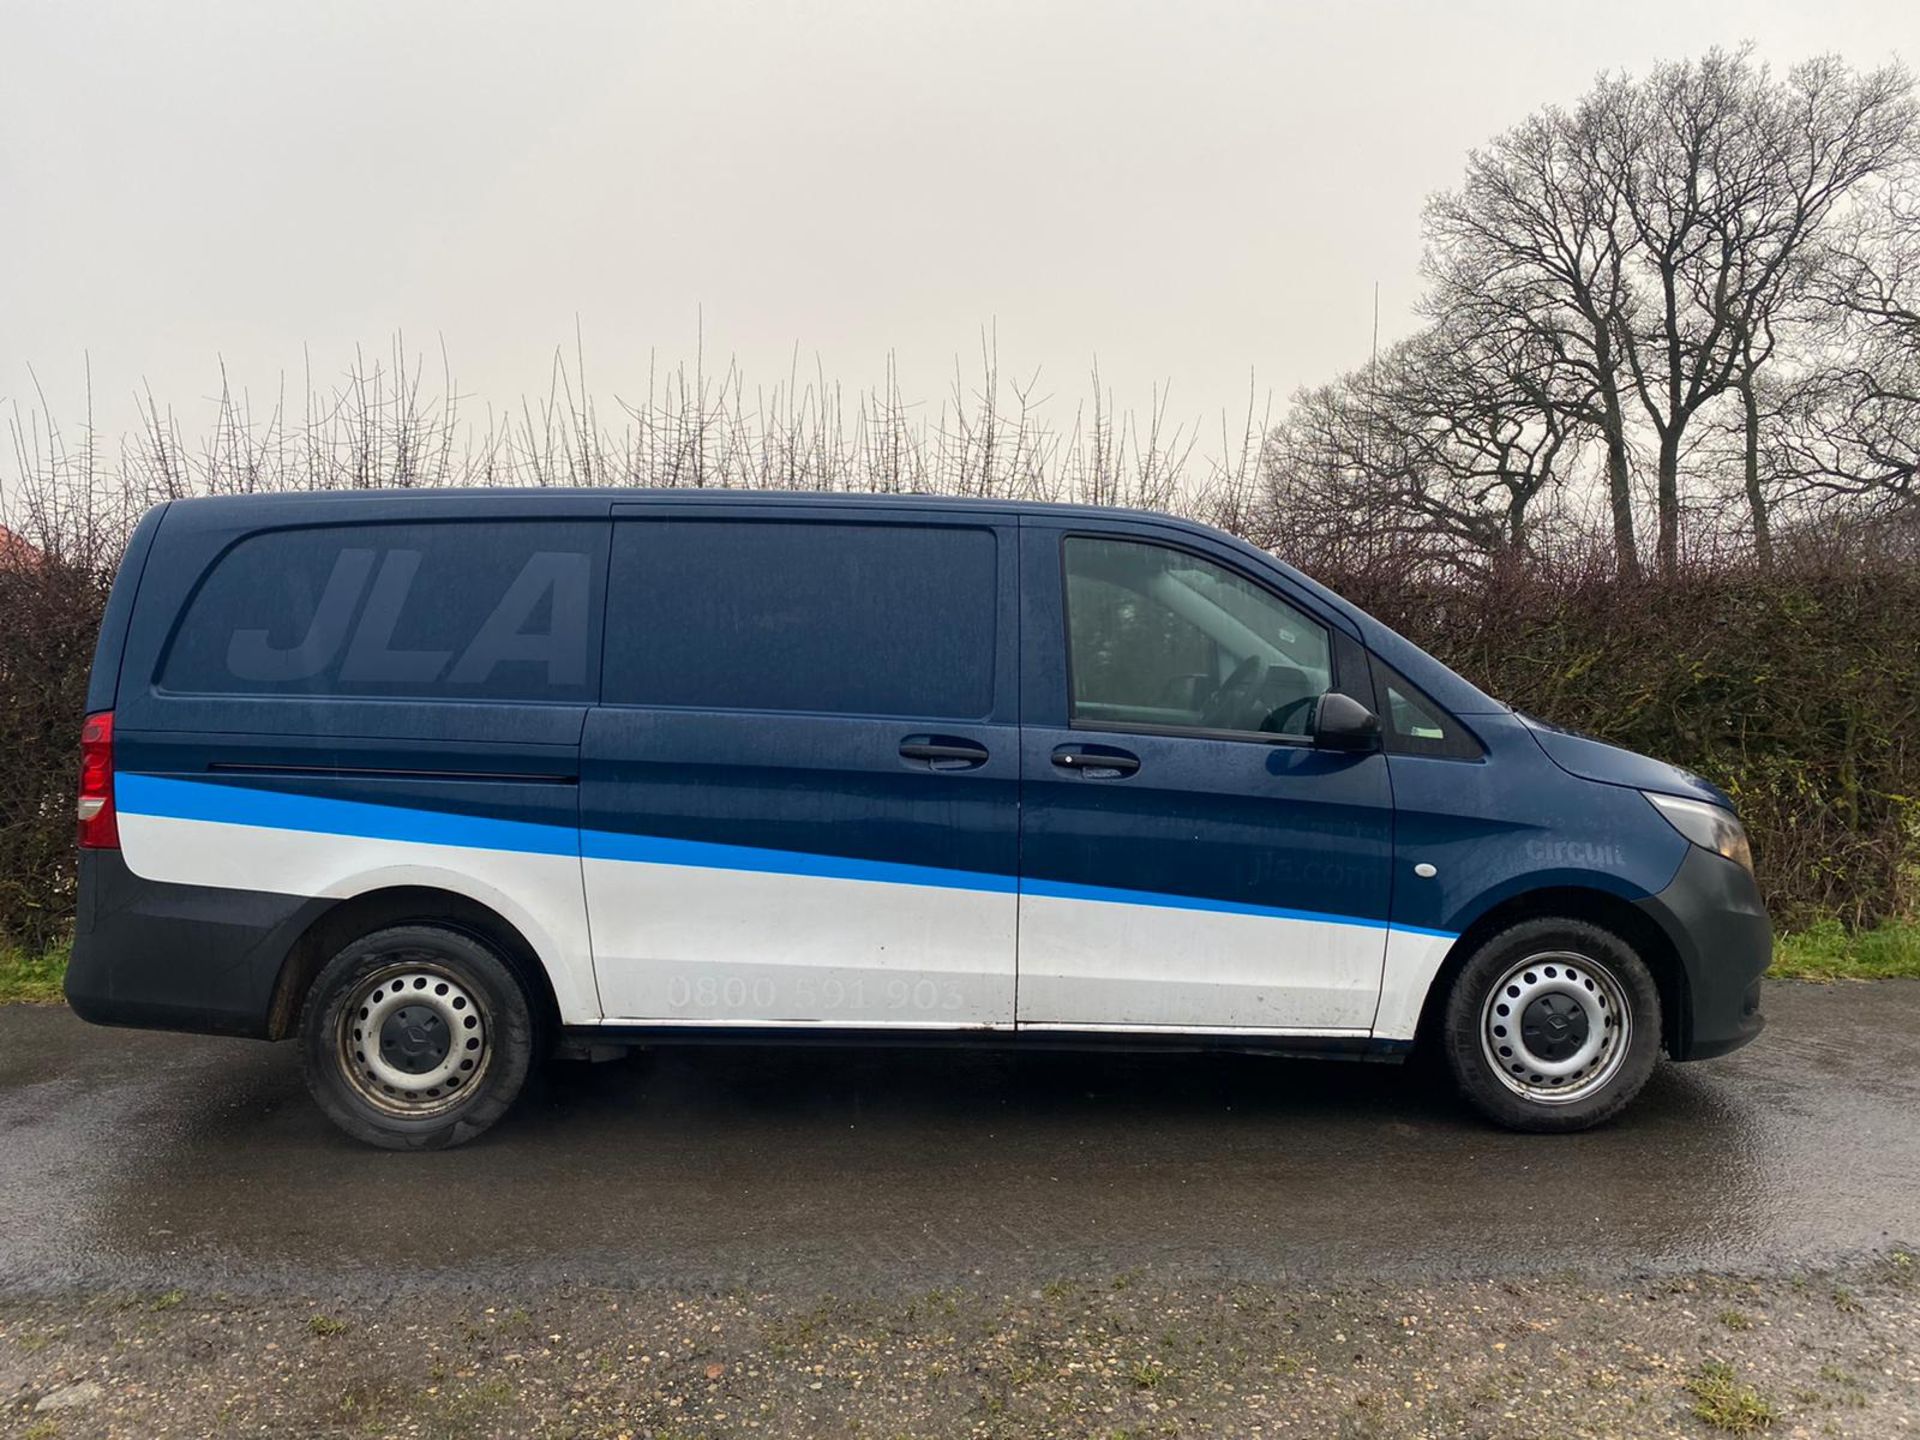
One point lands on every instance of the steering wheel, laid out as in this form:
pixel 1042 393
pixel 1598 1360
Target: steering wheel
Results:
pixel 1226 702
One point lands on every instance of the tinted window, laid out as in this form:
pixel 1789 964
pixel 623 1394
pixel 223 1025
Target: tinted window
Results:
pixel 793 615
pixel 1157 636
pixel 1413 724
pixel 479 610
pixel 1412 719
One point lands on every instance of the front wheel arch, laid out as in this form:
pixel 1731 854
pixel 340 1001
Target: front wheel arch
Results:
pixel 1596 907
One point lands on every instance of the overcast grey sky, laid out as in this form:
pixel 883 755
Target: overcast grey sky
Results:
pixel 1191 192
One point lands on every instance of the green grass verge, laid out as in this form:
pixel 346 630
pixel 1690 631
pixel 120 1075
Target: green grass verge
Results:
pixel 1825 951
pixel 1829 951
pixel 32 979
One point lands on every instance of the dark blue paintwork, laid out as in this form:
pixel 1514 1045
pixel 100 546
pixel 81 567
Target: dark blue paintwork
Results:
pixel 820 785
pixel 531 783
pixel 1592 759
pixel 1210 821
pixel 1513 821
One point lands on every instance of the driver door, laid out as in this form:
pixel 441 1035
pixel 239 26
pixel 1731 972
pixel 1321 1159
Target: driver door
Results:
pixel 1189 861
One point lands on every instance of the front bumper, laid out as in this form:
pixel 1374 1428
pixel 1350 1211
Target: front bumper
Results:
pixel 1713 916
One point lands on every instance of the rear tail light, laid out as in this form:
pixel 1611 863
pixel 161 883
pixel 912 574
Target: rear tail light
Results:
pixel 99 827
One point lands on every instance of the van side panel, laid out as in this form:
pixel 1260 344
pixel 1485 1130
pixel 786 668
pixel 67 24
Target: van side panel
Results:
pixel 351 699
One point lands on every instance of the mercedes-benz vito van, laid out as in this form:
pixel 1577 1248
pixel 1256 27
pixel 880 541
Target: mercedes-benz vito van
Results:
pixel 439 782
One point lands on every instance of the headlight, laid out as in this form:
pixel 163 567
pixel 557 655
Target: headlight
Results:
pixel 1708 826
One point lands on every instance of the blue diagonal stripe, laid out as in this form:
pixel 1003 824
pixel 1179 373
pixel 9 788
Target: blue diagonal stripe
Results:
pixel 658 850
pixel 159 795
pixel 279 810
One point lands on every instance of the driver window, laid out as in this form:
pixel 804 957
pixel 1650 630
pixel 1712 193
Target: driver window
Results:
pixel 1156 636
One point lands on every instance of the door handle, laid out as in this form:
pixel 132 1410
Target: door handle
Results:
pixel 1097 762
pixel 943 752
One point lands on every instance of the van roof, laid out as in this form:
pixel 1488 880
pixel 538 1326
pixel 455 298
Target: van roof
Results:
pixel 703 494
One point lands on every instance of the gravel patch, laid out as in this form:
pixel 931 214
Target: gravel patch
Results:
pixel 1822 1353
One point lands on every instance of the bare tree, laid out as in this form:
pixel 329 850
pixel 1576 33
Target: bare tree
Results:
pixel 1723 177
pixel 1501 411
pixel 1441 448
pixel 1653 239
pixel 1852 428
pixel 1532 243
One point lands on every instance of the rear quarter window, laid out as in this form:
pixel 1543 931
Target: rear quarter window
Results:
pixel 476 610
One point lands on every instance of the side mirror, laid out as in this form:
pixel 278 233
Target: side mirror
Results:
pixel 1341 722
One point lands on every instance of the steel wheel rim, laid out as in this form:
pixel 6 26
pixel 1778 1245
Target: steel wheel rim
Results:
pixel 414 1039
pixel 1556 1028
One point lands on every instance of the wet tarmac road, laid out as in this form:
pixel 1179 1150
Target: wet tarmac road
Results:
pixel 135 1160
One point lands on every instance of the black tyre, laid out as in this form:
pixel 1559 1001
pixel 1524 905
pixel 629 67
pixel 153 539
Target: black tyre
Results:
pixel 1552 1025
pixel 416 1038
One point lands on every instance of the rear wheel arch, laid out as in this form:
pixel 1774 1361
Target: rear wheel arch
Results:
pixel 1570 902
pixel 349 920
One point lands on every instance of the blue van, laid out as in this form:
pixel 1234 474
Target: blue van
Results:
pixel 442 782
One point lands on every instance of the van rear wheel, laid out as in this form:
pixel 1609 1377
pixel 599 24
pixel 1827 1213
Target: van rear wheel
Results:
pixel 1552 1025
pixel 416 1038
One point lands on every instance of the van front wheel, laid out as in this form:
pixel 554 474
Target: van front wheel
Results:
pixel 415 1038
pixel 1552 1025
